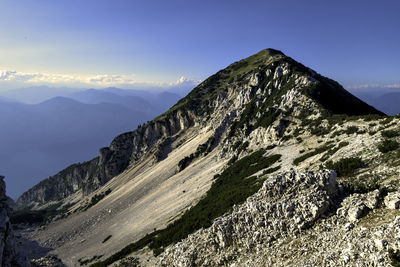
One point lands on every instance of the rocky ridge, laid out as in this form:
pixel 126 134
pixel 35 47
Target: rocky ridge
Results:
pixel 265 88
pixel 266 102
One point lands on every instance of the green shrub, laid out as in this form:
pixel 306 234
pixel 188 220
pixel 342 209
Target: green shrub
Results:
pixel 202 149
pixel 41 216
pixel 129 262
pixel 351 130
pixel 390 133
pixel 386 120
pixel 394 257
pixel 362 184
pixel 388 145
pixel 345 166
pixel 84 262
pixel 332 151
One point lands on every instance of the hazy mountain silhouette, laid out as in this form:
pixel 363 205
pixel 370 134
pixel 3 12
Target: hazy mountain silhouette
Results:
pixel 37 140
pixel 387 102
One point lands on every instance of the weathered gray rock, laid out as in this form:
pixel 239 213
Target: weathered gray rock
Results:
pixel 286 205
pixel 10 255
pixel 357 206
pixel 356 212
pixel 392 200
pixel 47 261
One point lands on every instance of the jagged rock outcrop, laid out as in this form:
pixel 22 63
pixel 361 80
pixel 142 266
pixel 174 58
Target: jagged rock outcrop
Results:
pixel 286 205
pixel 10 255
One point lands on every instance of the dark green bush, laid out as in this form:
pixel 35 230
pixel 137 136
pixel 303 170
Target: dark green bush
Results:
pixel 388 145
pixel 345 166
pixel 351 130
pixel 361 185
pixel 394 256
pixel 390 133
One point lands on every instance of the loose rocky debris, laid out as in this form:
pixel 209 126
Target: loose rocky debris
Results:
pixel 286 205
pixel 291 221
pixel 47 261
pixel 392 200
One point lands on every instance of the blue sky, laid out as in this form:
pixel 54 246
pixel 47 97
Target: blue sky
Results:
pixel 104 43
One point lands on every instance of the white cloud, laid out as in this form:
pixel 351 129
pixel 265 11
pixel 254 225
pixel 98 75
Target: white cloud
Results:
pixel 101 80
pixel 366 86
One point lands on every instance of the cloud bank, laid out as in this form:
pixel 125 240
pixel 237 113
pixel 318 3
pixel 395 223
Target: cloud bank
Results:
pixel 104 80
pixel 369 86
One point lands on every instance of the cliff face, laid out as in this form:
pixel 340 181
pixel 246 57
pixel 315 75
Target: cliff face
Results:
pixel 9 253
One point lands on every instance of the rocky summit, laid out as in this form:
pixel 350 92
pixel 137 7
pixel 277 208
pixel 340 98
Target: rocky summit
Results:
pixel 265 163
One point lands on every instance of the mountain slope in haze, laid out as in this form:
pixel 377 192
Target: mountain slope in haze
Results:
pixel 173 181
pixel 388 103
pixel 76 124
pixel 148 102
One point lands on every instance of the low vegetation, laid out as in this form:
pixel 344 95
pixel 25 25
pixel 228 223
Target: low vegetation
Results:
pixel 351 129
pixel 316 151
pixel 394 256
pixel 94 200
pixel 345 166
pixel 201 150
pixel 390 133
pixel 231 187
pixel 128 262
pixel 83 262
pixel 362 184
pixel 41 216
pixel 388 145
pixel 332 151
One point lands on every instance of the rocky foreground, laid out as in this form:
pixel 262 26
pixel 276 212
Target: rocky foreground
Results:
pixel 278 227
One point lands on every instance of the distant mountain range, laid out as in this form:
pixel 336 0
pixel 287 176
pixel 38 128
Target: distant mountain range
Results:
pixel 38 140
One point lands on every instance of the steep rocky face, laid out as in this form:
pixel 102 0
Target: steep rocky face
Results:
pixel 9 252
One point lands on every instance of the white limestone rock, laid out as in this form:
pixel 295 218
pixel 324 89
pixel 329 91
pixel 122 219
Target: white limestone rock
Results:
pixel 392 200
